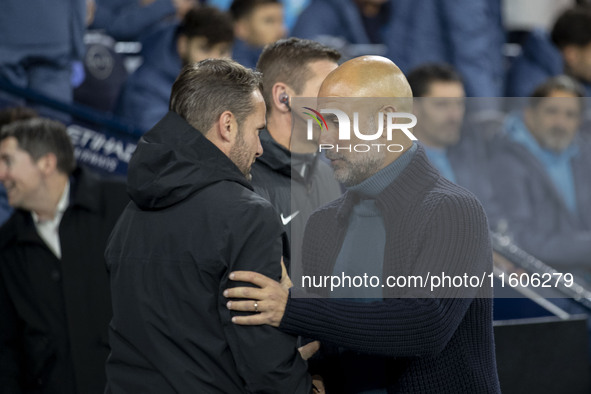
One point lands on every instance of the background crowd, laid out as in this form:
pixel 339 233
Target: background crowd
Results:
pixel 526 154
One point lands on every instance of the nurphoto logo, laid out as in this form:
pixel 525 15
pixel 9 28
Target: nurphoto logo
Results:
pixel 344 124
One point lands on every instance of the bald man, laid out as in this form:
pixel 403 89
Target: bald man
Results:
pixel 413 217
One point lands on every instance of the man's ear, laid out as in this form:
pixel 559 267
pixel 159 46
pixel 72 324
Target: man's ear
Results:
pixel 570 53
pixel 241 29
pixel 223 132
pixel 227 127
pixel 280 96
pixel 47 163
pixel 528 116
pixel 385 110
pixel 388 108
pixel 182 44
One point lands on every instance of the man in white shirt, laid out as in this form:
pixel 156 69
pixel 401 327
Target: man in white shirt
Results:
pixel 54 289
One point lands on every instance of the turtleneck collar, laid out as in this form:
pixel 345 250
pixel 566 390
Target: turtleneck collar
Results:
pixel 376 183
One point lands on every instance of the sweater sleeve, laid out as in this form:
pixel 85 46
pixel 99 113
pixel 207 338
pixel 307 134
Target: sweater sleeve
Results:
pixel 455 238
pixel 266 358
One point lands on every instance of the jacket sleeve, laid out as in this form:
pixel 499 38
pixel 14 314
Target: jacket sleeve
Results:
pixel 320 18
pixel 142 101
pixel 126 20
pixel 455 237
pixel 524 76
pixel 477 38
pixel 517 191
pixel 539 60
pixel 466 33
pixel 550 245
pixel 10 340
pixel 267 359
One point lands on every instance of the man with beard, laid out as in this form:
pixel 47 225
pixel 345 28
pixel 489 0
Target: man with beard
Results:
pixel 204 33
pixel 193 219
pixel 399 216
pixel 541 178
pixel 257 23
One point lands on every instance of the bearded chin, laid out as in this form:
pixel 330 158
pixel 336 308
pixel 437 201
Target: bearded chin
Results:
pixel 559 141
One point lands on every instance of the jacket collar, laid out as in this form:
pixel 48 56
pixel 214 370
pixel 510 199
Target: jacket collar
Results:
pixel 275 156
pixel 84 192
pixel 281 160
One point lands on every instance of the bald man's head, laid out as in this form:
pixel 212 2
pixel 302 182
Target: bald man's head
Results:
pixel 365 90
pixel 366 76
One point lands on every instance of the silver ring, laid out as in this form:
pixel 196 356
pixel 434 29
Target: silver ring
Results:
pixel 256 306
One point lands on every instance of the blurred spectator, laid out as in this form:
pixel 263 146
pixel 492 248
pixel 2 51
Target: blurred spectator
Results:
pixel 341 24
pixel 459 154
pixel 566 50
pixel 39 44
pixel 90 12
pixel 105 73
pixel 54 289
pixel 256 24
pixel 129 20
pixel 541 177
pixel 292 9
pixel 466 33
pixel 8 116
pixel 204 33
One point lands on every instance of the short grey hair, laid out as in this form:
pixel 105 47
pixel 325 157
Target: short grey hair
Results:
pixel 204 90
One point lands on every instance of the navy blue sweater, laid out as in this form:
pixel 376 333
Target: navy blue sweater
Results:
pixel 431 345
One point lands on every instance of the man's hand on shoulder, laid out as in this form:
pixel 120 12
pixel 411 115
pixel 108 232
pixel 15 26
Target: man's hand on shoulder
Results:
pixel 268 301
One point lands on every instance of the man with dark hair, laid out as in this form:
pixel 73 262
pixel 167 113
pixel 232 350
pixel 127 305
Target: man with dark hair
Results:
pixel 205 32
pixel 422 79
pixel 543 186
pixel 397 217
pixel 290 174
pixel 13 114
pixel 439 113
pixel 566 50
pixel 193 219
pixel 7 116
pixel 256 24
pixel 460 154
pixel 54 289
